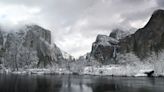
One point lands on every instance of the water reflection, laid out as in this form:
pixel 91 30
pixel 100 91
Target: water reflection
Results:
pixel 72 83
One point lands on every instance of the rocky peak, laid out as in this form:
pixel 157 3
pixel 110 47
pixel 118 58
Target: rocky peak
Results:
pixel 104 39
pixel 103 48
pixel 39 32
pixel 142 43
pixel 119 34
pixel 29 47
pixel 147 39
pixel 156 20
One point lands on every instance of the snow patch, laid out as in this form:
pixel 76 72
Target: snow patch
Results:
pixel 118 70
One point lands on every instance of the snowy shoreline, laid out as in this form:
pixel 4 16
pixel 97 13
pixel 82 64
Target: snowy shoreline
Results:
pixel 108 70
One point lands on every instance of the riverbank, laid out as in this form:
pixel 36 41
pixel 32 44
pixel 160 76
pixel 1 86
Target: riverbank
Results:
pixel 105 70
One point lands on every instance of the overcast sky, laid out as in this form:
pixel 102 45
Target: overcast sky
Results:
pixel 76 23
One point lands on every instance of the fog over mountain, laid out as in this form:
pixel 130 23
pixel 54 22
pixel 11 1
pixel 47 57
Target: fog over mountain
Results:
pixel 112 37
pixel 74 24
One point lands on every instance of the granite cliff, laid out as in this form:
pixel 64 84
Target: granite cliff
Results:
pixel 144 42
pixel 28 47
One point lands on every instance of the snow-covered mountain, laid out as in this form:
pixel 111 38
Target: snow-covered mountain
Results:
pixel 28 47
pixel 130 54
pixel 120 34
pixel 122 53
pixel 104 49
pixel 67 56
pixel 142 43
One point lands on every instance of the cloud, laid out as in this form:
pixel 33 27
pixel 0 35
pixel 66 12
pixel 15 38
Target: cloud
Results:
pixel 76 23
pixel 160 3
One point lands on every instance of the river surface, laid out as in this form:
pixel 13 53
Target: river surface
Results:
pixel 75 83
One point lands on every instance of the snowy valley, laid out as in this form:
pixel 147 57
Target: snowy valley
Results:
pixel 30 51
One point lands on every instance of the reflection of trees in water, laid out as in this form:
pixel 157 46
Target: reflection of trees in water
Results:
pixel 71 83
pixel 48 84
pixel 24 83
pixel 126 84
pixel 74 83
pixel 16 83
pixel 103 85
pixel 42 83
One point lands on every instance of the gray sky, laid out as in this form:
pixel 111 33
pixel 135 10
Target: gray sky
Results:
pixel 76 23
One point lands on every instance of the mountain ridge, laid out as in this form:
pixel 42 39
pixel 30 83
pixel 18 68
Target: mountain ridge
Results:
pixel 142 43
pixel 29 47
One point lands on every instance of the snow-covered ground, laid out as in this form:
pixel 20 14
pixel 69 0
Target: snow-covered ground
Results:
pixel 118 70
pixel 110 70
pixel 130 65
pixel 38 71
pixel 113 70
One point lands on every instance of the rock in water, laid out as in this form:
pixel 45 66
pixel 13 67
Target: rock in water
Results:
pixel 150 74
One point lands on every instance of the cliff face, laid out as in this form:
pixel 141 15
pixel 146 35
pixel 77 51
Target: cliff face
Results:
pixel 142 43
pixel 148 39
pixel 30 47
pixel 39 39
pixel 105 48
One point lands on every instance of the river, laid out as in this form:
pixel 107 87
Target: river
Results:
pixel 76 83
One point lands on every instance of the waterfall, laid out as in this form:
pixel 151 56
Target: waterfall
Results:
pixel 114 51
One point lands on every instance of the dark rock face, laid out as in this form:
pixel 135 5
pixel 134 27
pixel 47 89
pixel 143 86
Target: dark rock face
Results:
pixel 39 39
pixel 29 47
pixel 103 49
pixel 147 39
pixel 143 42
pixel 1 45
pixel 39 32
pixel 1 38
pixel 119 34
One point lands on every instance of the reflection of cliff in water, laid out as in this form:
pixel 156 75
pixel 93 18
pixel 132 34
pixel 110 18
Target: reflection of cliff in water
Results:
pixel 42 83
pixel 72 83
pixel 127 84
pixel 25 83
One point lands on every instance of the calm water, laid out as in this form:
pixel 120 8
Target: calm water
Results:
pixel 74 83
